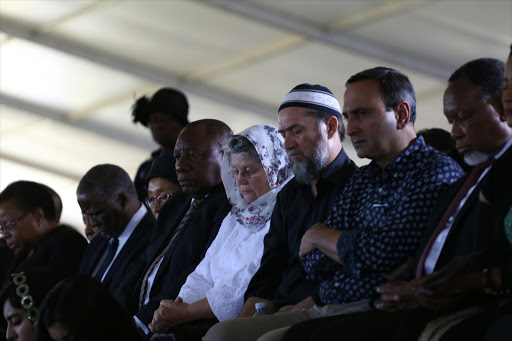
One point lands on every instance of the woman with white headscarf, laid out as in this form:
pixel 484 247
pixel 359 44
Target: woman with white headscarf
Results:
pixel 254 169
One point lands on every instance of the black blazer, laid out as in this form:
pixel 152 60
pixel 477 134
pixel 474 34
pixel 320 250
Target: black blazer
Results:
pixel 58 253
pixel 471 231
pixel 135 245
pixel 6 258
pixel 188 250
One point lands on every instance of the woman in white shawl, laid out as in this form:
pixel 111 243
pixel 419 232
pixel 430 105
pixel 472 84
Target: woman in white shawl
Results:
pixel 255 168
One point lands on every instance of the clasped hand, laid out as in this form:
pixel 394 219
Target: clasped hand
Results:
pixel 170 314
pixel 428 292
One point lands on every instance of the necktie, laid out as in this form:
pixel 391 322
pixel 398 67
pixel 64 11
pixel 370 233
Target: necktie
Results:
pixel 186 218
pixel 113 243
pixel 470 182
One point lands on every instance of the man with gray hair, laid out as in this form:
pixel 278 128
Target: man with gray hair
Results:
pixel 107 196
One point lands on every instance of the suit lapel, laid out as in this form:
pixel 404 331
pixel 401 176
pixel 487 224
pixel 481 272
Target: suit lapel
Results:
pixel 98 247
pixel 128 248
pixel 168 256
pixel 165 226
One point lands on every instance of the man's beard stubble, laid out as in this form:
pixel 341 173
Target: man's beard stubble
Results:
pixel 475 157
pixel 309 168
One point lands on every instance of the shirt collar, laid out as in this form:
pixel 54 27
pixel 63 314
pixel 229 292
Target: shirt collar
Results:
pixel 407 156
pixel 132 224
pixel 331 173
pixel 503 149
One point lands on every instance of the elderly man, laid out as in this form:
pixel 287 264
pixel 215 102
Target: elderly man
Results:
pixel 444 280
pixel 188 222
pixel 310 121
pixel 108 199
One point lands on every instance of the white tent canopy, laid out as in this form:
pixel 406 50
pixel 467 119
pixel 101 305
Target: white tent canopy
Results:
pixel 70 70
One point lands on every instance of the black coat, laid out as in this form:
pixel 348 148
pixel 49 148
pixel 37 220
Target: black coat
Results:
pixel 186 253
pixel 135 245
pixel 59 253
pixel 473 230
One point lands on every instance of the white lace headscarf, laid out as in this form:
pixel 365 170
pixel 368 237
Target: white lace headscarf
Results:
pixel 269 145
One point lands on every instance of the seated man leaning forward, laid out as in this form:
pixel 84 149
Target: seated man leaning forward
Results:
pixel 379 218
pixel 107 197
pixel 255 168
pixel 310 121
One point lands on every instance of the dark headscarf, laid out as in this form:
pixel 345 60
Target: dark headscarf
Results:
pixel 166 100
pixel 163 167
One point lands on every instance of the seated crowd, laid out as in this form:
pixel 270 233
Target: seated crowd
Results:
pixel 416 245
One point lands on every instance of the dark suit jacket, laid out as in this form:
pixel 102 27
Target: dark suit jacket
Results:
pixel 135 245
pixel 6 258
pixel 471 231
pixel 186 253
pixel 57 253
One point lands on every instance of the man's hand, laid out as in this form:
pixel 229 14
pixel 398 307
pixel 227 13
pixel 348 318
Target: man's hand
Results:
pixel 170 314
pixel 431 292
pixel 397 296
pixel 320 236
pixel 306 303
pixel 249 309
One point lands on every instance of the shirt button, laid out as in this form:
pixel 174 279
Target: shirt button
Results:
pixel 380 190
pixel 337 284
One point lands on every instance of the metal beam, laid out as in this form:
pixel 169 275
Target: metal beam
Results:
pixel 374 50
pixel 61 117
pixel 45 167
pixel 26 32
pixel 87 9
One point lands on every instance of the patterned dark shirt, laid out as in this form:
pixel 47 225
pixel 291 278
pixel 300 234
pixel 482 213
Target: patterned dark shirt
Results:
pixel 382 218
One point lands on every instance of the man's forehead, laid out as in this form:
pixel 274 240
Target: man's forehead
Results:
pixel 90 197
pixel 200 142
pixel 461 94
pixel 361 94
pixel 463 88
pixel 293 116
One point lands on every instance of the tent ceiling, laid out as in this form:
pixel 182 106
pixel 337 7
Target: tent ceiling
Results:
pixel 70 70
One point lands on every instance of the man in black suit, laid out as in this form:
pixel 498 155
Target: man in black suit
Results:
pixel 187 223
pixel 108 198
pixel 447 275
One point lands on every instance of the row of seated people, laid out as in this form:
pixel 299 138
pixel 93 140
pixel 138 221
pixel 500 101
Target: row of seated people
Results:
pixel 286 218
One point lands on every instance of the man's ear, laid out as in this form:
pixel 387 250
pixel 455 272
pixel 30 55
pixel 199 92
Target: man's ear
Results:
pixel 403 114
pixel 122 199
pixel 332 126
pixel 497 104
pixel 38 214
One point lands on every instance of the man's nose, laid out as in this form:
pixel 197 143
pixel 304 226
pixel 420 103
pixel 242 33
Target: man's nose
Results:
pixel 352 126
pixel 289 142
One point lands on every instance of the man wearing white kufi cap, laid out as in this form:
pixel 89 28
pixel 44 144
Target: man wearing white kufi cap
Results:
pixel 310 121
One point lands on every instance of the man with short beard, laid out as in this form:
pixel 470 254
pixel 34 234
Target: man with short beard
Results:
pixel 311 122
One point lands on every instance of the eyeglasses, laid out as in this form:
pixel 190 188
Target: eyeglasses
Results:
pixel 10 225
pixel 246 174
pixel 151 201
